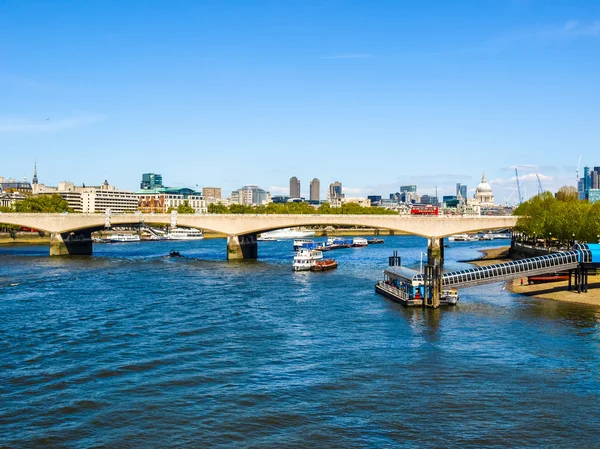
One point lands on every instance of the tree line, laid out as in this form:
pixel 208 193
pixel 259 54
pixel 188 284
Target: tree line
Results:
pixel 298 208
pixel 563 217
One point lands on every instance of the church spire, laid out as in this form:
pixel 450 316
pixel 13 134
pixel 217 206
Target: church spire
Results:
pixel 483 177
pixel 35 178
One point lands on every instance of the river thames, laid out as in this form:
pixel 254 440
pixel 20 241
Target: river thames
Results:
pixel 129 348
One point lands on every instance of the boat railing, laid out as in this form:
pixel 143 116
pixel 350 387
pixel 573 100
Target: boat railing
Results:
pixel 393 290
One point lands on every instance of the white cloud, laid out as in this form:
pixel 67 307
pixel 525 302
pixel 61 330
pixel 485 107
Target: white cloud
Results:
pixel 48 124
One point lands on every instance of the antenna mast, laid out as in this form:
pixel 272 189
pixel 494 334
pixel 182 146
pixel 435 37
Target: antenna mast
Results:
pixel 520 199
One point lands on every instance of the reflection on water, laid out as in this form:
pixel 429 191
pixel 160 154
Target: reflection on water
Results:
pixel 131 348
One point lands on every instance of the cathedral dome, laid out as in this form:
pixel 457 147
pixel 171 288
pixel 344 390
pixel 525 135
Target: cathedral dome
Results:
pixel 483 193
pixel 483 186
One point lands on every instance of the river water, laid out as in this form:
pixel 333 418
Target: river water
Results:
pixel 129 348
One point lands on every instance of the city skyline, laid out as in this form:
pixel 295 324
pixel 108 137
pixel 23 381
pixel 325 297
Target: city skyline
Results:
pixel 433 102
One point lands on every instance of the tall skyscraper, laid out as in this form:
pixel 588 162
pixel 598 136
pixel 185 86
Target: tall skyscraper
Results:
pixel 462 189
pixel 408 188
pixel 315 190
pixel 335 192
pixel 294 187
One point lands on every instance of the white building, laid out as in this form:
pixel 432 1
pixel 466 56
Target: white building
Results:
pixel 483 194
pixel 95 199
pixel 250 195
pixel 9 199
pixel 364 202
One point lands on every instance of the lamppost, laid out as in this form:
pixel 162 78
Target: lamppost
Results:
pixel 421 266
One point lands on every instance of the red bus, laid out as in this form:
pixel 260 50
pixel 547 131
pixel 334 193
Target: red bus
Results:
pixel 424 209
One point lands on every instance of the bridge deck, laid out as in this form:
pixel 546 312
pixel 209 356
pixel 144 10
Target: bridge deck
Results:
pixel 510 270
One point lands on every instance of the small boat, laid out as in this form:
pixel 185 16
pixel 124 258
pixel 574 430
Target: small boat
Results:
pixel 374 241
pixel 305 259
pixel 324 265
pixel 174 254
pixel 358 242
pixel 450 296
pixel 266 238
pixel 548 277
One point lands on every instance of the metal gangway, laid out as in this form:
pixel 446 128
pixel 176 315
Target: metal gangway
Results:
pixel 550 263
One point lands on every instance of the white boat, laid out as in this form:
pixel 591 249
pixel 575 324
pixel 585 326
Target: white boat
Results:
pixel 123 238
pixel 288 233
pixel 305 259
pixel 461 238
pixel 451 296
pixel 184 234
pixel 359 241
pixel 266 238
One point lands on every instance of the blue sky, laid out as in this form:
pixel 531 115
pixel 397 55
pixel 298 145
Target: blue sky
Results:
pixel 372 94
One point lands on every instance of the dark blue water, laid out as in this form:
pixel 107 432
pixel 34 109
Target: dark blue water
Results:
pixel 129 348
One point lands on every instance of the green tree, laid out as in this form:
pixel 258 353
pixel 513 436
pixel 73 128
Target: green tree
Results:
pixel 218 208
pixel 185 208
pixel 43 204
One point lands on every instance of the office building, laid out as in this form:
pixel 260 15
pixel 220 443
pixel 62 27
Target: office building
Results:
pixel 250 195
pixel 151 181
pixel 315 190
pixel 211 192
pixel 374 199
pixel 462 189
pixel 334 193
pixel 409 188
pixel 294 187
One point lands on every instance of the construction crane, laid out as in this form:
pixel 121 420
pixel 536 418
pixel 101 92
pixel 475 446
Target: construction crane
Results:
pixel 520 198
pixel 540 189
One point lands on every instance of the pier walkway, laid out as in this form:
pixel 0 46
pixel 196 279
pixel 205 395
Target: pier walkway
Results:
pixel 580 255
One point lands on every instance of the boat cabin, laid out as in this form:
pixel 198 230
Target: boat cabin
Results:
pixel 402 285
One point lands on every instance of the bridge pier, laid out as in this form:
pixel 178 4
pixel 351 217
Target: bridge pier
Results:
pixel 77 243
pixel 435 259
pixel 242 247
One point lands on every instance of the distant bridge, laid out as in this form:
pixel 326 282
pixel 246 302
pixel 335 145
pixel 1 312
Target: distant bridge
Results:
pixel 71 233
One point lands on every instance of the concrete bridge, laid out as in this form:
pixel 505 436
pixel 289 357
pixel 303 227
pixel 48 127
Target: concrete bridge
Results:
pixel 71 233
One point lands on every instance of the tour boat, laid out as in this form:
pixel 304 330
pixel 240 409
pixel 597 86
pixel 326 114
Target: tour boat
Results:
pixel 462 238
pixel 323 265
pixel 374 240
pixel 121 238
pixel 305 259
pixel 359 241
pixel 288 233
pixel 184 234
